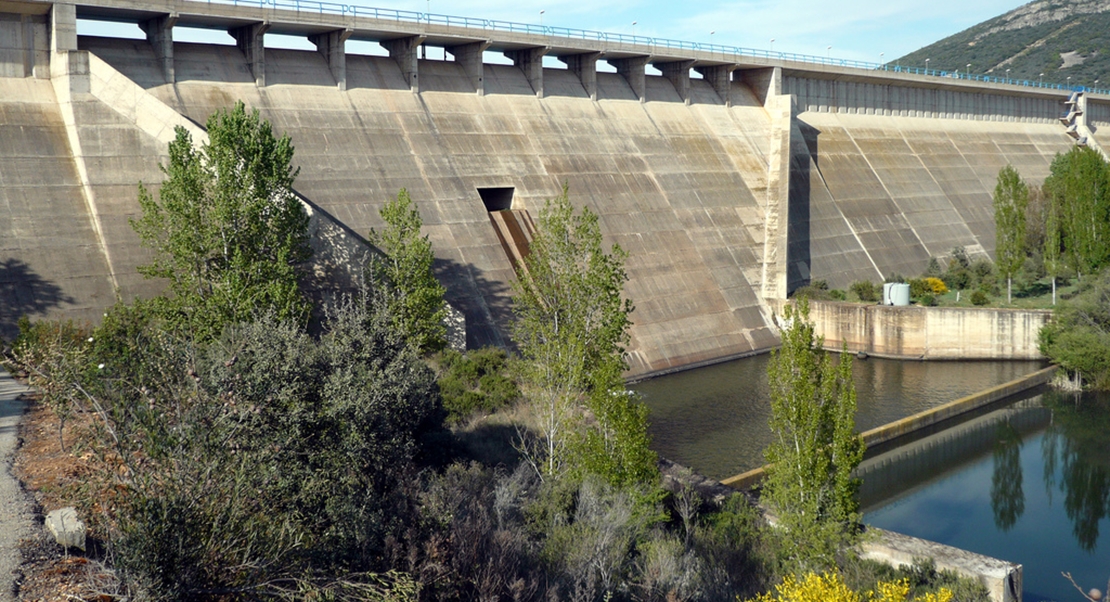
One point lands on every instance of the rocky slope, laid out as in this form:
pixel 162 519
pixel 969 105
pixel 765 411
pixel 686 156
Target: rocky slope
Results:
pixel 1056 38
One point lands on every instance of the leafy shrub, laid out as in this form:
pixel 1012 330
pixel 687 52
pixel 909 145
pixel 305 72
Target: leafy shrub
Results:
pixel 983 270
pixel 475 381
pixel 895 277
pixel 933 269
pixel 959 259
pixel 928 300
pixel 821 285
pixel 919 287
pixel 958 279
pixel 810 292
pixel 936 285
pixel 980 298
pixel 837 294
pixel 1078 337
pixel 865 290
pixel 830 587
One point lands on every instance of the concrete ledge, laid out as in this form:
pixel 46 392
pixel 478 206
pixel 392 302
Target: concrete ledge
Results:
pixel 921 420
pixel 1001 578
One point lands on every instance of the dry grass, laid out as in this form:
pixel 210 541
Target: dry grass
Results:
pixel 50 574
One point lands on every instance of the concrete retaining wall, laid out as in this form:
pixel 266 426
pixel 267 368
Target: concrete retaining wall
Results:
pixel 921 420
pixel 934 333
pixel 1002 579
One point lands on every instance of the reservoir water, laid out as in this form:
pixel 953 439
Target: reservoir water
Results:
pixel 714 419
pixel 1029 483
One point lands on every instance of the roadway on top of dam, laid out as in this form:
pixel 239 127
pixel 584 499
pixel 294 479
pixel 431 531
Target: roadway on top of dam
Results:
pixel 309 18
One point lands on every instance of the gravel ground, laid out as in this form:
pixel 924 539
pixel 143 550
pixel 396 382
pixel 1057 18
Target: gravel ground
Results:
pixel 15 517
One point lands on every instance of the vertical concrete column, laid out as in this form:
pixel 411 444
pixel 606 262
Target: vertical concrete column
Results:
pixel 249 39
pixel 585 67
pixel 766 83
pixel 36 43
pixel 632 69
pixel 332 45
pixel 469 56
pixel 63 28
pixel 530 62
pixel 720 77
pixel 780 107
pixel 403 50
pixel 678 72
pixel 159 32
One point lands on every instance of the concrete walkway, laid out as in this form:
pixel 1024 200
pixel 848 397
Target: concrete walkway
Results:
pixel 15 520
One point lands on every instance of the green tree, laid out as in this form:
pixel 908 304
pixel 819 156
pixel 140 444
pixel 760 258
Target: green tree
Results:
pixel 809 486
pixel 571 329
pixel 415 298
pixel 1079 183
pixel 1053 261
pixel 227 230
pixel 1078 337
pixel 1011 196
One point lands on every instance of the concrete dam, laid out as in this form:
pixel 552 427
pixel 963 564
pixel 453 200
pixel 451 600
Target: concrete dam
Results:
pixel 730 180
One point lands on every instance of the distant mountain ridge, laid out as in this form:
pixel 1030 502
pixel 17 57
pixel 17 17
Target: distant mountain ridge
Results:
pixel 1054 37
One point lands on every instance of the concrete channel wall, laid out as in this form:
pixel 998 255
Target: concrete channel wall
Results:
pixel 929 333
pixel 725 191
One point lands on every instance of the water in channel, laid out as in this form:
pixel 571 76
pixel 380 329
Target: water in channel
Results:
pixel 1029 483
pixel 714 419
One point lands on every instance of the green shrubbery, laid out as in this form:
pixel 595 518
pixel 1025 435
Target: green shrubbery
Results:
pixel 866 290
pixel 475 381
pixel 1078 337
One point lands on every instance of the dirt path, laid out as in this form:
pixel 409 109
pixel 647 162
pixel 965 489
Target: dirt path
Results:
pixel 15 519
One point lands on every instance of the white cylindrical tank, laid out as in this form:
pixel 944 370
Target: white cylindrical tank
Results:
pixel 899 294
pixel 886 292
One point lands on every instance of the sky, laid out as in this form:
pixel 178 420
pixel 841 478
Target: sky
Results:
pixel 855 29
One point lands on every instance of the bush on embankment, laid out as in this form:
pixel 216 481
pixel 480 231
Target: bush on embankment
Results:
pixel 1078 337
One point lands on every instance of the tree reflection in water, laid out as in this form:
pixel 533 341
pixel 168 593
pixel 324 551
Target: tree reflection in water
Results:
pixel 1007 496
pixel 1075 446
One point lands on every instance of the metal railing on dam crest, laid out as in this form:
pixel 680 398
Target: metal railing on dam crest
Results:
pixel 497 25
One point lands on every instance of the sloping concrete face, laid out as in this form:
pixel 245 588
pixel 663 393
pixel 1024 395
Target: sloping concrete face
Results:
pixel 51 259
pixel 681 188
pixel 874 195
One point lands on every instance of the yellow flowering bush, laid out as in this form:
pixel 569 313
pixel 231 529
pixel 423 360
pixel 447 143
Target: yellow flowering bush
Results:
pixel 830 587
pixel 937 285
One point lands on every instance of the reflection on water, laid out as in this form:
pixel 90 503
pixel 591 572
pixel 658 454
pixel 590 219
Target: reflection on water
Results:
pixel 937 489
pixel 714 419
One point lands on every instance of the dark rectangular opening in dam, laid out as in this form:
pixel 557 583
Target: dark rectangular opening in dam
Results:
pixel 497 199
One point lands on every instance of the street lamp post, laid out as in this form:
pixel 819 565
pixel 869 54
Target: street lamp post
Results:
pixel 633 31
pixel 926 66
pixel 969 70
pixel 1008 76
pixel 828 52
pixel 1040 80
pixel 881 63
pixel 772 44
pixel 1069 82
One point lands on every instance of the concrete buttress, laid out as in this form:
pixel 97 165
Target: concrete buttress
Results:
pixel 469 56
pixel 584 66
pixel 678 72
pixel 332 45
pixel 159 32
pixel 403 50
pixel 530 62
pixel 249 39
pixel 632 69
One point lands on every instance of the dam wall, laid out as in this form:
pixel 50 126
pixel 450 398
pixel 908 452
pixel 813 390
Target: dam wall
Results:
pixel 727 190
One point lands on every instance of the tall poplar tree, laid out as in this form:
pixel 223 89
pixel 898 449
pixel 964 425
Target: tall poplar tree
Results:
pixel 227 231
pixel 571 328
pixel 415 297
pixel 809 486
pixel 1011 196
